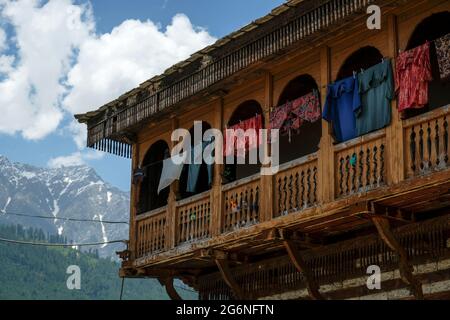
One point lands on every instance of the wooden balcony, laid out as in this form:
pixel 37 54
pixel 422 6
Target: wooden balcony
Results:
pixel 241 217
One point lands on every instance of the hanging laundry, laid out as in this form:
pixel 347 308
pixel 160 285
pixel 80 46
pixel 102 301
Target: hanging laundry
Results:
pixel 343 100
pixel 376 86
pixel 443 56
pixel 172 168
pixel 306 108
pixel 292 115
pixel 250 142
pixel 279 115
pixel 412 76
pixel 195 167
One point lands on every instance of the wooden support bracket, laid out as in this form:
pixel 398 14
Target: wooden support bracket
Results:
pixel 170 289
pixel 224 269
pixel 405 267
pixel 301 266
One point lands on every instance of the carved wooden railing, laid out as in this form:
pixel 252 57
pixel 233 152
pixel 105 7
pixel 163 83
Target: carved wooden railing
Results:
pixel 296 186
pixel 193 220
pixel 152 233
pixel 427 142
pixel 302 25
pixel 241 206
pixel 360 164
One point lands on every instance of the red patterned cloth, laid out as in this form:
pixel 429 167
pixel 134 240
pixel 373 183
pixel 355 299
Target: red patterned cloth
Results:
pixel 251 142
pixel 291 115
pixel 412 75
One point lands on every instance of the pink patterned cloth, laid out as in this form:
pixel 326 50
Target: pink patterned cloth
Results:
pixel 412 76
pixel 292 115
pixel 251 142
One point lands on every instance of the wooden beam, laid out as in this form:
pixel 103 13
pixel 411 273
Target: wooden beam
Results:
pixel 405 267
pixel 224 269
pixel 170 289
pixel 301 266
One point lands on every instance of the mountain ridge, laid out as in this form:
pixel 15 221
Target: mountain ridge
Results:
pixel 66 192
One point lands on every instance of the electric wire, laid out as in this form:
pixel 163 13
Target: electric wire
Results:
pixel 61 219
pixel 44 244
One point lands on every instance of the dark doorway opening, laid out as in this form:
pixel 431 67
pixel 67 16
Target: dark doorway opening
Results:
pixel 152 165
pixel 306 140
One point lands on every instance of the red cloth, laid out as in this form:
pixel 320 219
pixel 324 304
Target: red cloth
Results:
pixel 412 75
pixel 292 115
pixel 250 142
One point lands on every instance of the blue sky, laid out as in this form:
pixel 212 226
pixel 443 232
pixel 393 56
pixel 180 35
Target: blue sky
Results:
pixel 210 19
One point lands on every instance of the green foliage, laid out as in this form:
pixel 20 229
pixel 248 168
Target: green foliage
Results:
pixel 39 273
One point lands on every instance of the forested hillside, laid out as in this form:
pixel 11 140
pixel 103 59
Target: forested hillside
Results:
pixel 35 272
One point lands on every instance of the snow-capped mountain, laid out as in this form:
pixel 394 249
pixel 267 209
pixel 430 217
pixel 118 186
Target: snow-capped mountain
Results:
pixel 70 192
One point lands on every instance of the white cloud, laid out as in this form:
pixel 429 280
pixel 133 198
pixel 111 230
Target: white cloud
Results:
pixel 113 63
pixel 45 36
pixel 3 43
pixel 62 66
pixel 75 159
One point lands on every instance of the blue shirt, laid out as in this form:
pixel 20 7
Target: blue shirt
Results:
pixel 343 100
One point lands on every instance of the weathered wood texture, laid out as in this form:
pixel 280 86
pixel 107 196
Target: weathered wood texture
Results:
pixel 334 263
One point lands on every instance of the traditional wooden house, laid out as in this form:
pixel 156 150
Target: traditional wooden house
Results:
pixel 338 205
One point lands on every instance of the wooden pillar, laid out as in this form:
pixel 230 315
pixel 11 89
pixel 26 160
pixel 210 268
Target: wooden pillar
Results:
pixel 267 182
pixel 216 192
pixel 171 217
pixel 134 196
pixel 326 174
pixel 394 132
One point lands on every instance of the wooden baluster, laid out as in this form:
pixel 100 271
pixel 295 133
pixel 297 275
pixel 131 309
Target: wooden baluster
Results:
pixel 421 147
pixel 445 141
pixel 247 208
pixel 285 196
pixel 429 164
pixel 368 168
pixel 361 170
pixel 308 195
pixel 347 175
pixel 256 218
pixel 200 222
pixel 375 165
pixel 227 214
pixel 437 142
pixel 291 188
pixel 240 211
pixel 297 192
pixel 314 200
pixel 382 165
pixel 341 176
pixel 412 149
pixel 279 200
pixel 303 201
pixel 353 164
pixel 251 206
